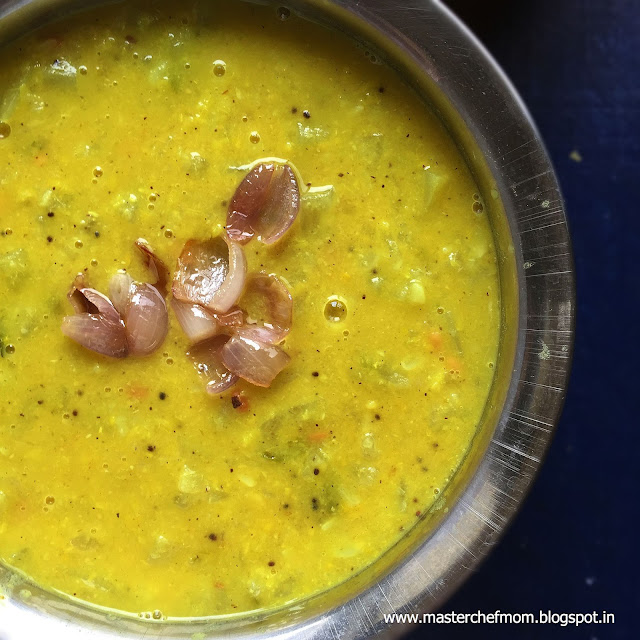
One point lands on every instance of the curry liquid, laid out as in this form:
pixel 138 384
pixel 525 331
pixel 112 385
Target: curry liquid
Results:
pixel 122 482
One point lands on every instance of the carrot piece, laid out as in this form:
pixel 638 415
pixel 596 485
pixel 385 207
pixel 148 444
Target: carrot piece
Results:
pixel 137 391
pixel 318 436
pixel 435 339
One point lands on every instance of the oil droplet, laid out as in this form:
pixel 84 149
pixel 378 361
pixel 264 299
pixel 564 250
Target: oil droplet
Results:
pixel 97 172
pixel 477 207
pixel 5 130
pixel 440 310
pixel 8 232
pixel 10 349
pixel 254 137
pixel 94 262
pixel 335 310
pixel 82 69
pixel 168 233
pixel 157 615
pixel 49 499
pixel 219 67
pixel 79 244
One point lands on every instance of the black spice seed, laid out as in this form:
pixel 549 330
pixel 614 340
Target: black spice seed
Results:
pixel 51 214
pixel 272 563
pixel 314 504
pixel 213 536
pixel 49 239
pixel 306 114
pixel 377 416
pixel 97 234
pixel 294 109
pixel 236 402
pixel 315 374
pixel 381 89
pixel 316 471
pixel 285 505
pixel 162 395
pixel 151 448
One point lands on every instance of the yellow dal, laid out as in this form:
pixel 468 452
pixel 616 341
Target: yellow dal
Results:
pixel 122 126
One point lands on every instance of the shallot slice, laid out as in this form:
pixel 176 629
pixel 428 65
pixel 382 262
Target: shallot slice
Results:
pixel 78 301
pixel 146 319
pixel 270 306
pixel 255 361
pixel 97 325
pixel 233 318
pixel 120 290
pixel 210 273
pixel 103 305
pixel 157 267
pixel 96 333
pixel 265 204
pixel 197 323
pixel 206 357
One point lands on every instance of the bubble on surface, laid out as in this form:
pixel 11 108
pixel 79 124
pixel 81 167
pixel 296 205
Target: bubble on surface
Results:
pixel 335 310
pixel 219 67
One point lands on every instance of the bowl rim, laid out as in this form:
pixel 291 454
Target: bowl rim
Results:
pixel 432 39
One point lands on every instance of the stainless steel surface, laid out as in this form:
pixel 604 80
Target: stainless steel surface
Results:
pixel 445 64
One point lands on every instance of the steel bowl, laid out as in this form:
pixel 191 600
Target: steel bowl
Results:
pixel 443 62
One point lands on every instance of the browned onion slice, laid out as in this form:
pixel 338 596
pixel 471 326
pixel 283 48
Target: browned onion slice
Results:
pixel 265 204
pixel 97 325
pixel 146 319
pixel 270 305
pixel 157 267
pixel 206 357
pixel 102 304
pixel 78 301
pixel 197 323
pixel 247 202
pixel 233 318
pixel 96 333
pixel 261 333
pixel 210 273
pixel 255 361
